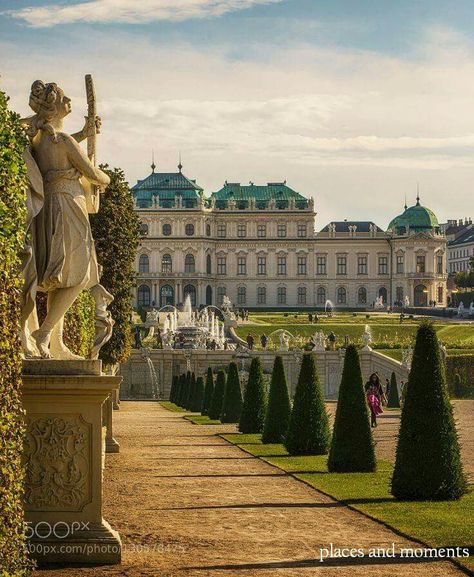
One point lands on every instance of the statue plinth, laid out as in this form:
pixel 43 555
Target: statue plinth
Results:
pixel 64 455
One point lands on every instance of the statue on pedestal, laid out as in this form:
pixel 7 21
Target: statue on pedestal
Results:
pixel 59 256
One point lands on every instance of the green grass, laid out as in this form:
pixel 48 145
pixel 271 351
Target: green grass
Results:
pixel 438 524
pixel 172 407
pixel 202 420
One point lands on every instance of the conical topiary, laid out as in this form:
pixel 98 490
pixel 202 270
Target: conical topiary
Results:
pixel 192 390
pixel 215 408
pixel 393 397
pixel 198 395
pixel 174 389
pixel 428 462
pixel 181 390
pixel 278 413
pixel 186 390
pixel 252 418
pixel 208 391
pixel 352 446
pixel 232 403
pixel 308 430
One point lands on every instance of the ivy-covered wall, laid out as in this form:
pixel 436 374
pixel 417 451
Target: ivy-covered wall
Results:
pixel 116 233
pixel 13 560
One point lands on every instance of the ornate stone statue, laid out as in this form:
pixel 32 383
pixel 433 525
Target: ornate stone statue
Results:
pixel 59 255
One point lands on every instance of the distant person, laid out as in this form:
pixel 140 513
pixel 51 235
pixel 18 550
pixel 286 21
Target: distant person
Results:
pixel 332 341
pixel 375 394
pixel 138 339
pixel 263 341
pixel 250 341
pixel 310 317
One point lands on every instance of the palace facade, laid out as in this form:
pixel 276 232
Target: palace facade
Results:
pixel 258 245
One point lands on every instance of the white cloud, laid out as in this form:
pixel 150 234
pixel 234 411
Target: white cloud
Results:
pixel 129 11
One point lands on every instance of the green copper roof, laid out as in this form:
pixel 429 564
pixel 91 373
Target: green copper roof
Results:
pixel 241 194
pixel 415 218
pixel 165 186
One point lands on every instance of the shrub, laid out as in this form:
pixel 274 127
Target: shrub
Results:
pixel 428 463
pixel 215 407
pixel 232 403
pixel 393 397
pixel 181 390
pixel 308 430
pixel 116 231
pixel 208 391
pixel 13 558
pixel 173 390
pixel 252 418
pixel 352 446
pixel 279 406
pixel 190 391
pixel 198 395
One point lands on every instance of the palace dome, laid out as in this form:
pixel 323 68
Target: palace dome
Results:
pixel 415 218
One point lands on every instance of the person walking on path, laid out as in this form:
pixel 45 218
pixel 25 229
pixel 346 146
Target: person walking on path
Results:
pixel 375 394
pixel 263 341
pixel 250 341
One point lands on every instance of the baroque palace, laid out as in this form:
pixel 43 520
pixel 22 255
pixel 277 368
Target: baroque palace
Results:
pixel 258 245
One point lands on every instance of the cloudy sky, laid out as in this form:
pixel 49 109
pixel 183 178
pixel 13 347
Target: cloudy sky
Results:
pixel 354 102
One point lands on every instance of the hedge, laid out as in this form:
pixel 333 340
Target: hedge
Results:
pixel 13 557
pixel 462 365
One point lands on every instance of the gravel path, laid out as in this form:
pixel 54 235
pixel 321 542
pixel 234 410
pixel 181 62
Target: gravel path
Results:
pixel 187 503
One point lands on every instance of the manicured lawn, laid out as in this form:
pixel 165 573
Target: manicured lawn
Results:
pixel 172 407
pixel 438 524
pixel 202 420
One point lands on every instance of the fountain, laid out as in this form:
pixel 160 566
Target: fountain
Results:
pixel 154 381
pixel 379 304
pixel 407 301
pixel 329 308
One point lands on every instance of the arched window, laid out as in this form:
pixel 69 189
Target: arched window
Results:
pixel 143 229
pixel 143 263
pixel 383 294
pixel 321 296
pixel 421 296
pixel 189 229
pixel 166 295
pixel 189 263
pixel 166 229
pixel 241 295
pixel 190 290
pixel 166 264
pixel 221 292
pixel 208 264
pixel 209 295
pixel 362 296
pixel 144 295
pixel 341 295
pixel 301 295
pixel 208 230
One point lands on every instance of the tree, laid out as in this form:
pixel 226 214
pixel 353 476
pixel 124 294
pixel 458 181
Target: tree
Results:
pixel 232 403
pixel 352 446
pixel 393 396
pixel 116 232
pixel 181 390
pixel 190 391
pixel 208 391
pixel 278 413
pixel 308 430
pixel 198 395
pixel 13 183
pixel 215 407
pixel 252 418
pixel 428 462
pixel 173 390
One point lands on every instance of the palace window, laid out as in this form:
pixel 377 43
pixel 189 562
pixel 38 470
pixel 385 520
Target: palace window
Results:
pixel 261 230
pixel 261 295
pixel 420 263
pixel 221 292
pixel 189 229
pixel 144 263
pixel 241 265
pixel 341 295
pixel 362 265
pixel 301 295
pixel 262 265
pixel 208 264
pixel 281 265
pixel 320 265
pixel 221 265
pixel 399 295
pixel 241 230
pixel 144 229
pixel 321 295
pixel 301 265
pixel 362 296
pixel 341 265
pixel 221 230
pixel 301 230
pixel 440 295
pixel 208 230
pixel 383 265
pixel 439 264
pixel 400 264
pixel 281 230
pixel 189 263
pixel 166 229
pixel 281 295
pixel 190 290
pixel 241 295
pixel 144 296
pixel 166 264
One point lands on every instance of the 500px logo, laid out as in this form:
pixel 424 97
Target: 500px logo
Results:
pixel 59 530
